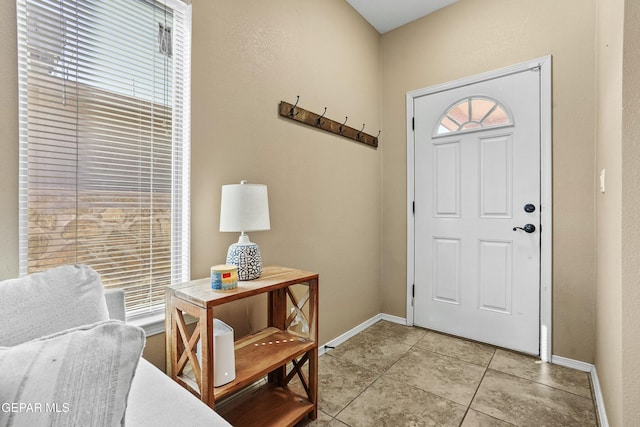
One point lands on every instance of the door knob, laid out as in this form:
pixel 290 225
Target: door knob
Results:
pixel 529 228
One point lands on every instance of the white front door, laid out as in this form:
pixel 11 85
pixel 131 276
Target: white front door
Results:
pixel 477 179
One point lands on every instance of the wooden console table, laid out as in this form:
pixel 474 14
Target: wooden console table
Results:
pixel 279 353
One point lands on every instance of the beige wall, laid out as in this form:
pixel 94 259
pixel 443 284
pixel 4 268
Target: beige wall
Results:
pixel 608 331
pixel 471 37
pixel 8 141
pixel 618 210
pixel 154 351
pixel 631 216
pixel 324 190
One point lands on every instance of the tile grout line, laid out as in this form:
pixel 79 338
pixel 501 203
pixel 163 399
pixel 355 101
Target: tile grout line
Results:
pixel 335 417
pixel 486 368
pixel 415 346
pixel 495 349
pixel 537 383
pixel 551 375
pixel 454 357
pixel 379 375
pixel 352 400
pixel 545 385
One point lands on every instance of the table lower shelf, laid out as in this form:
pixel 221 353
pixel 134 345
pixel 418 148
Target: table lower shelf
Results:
pixel 268 406
pixel 258 354
pixel 255 356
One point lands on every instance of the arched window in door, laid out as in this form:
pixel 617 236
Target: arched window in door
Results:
pixel 473 113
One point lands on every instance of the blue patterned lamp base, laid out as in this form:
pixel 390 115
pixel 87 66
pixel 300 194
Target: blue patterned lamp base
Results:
pixel 248 259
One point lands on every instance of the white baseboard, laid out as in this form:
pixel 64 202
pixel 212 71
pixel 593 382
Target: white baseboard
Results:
pixel 571 363
pixel 394 319
pixel 597 391
pixel 350 333
pixel 361 327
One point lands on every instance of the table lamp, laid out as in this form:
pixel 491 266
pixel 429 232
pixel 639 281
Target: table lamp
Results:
pixel 245 207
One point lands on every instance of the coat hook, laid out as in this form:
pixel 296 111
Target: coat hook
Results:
pixel 345 122
pixel 291 113
pixel 358 136
pixel 379 132
pixel 318 123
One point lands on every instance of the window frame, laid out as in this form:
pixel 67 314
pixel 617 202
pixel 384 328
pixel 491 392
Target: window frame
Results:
pixel 153 317
pixel 470 99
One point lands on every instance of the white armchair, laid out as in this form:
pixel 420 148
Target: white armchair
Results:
pixel 46 319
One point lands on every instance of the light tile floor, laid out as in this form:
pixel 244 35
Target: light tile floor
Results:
pixel 394 375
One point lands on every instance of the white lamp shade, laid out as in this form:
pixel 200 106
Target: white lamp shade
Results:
pixel 244 207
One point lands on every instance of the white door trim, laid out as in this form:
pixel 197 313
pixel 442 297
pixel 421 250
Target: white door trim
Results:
pixel 545 187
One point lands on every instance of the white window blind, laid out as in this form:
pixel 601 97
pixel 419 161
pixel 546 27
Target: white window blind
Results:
pixel 104 91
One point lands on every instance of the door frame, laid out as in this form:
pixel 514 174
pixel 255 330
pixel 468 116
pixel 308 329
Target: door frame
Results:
pixel 546 217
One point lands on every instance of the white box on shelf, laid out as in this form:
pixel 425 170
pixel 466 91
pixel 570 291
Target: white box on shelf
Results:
pixel 224 361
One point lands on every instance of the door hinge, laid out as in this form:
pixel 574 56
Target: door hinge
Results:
pixel 413 207
pixel 413 123
pixel 413 295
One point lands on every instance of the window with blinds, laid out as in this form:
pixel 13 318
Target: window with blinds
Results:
pixel 104 90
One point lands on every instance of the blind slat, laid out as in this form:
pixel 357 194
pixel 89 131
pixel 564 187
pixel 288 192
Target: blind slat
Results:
pixel 104 142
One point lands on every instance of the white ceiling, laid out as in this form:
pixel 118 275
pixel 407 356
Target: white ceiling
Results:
pixel 385 15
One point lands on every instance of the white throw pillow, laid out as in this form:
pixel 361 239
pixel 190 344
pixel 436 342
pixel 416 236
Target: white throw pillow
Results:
pixel 78 377
pixel 54 300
